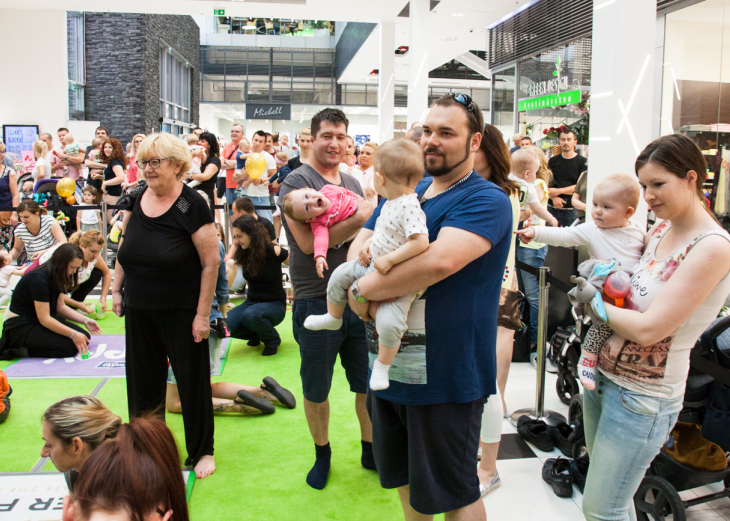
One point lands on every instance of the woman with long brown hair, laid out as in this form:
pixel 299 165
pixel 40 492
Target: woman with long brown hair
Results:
pixel 265 307
pixel 494 163
pixel 37 321
pixel 37 232
pixel 134 476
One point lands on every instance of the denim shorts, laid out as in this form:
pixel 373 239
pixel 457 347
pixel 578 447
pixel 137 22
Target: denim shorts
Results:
pixel 319 350
pixel 214 344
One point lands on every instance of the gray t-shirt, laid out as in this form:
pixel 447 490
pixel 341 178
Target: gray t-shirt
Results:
pixel 302 269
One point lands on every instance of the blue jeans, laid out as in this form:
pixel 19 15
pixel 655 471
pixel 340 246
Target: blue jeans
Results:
pixel 231 195
pixel 262 201
pixel 565 216
pixel 257 321
pixel 221 286
pixel 529 285
pixel 624 432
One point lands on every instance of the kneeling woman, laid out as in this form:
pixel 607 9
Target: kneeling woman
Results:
pixel 265 308
pixel 93 268
pixel 36 324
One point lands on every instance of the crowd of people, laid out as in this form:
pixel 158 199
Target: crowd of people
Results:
pixel 398 256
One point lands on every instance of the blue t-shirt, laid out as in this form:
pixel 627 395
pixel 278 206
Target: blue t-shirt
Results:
pixel 240 162
pixel 459 315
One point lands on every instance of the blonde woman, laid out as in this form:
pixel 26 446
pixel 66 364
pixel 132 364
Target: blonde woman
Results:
pixel 73 428
pixel 167 268
pixel 133 170
pixel 42 168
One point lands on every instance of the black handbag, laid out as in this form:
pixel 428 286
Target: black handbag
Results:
pixel 521 347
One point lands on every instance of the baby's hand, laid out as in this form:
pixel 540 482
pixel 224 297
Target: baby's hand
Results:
pixel 526 234
pixel 365 257
pixel 553 222
pixel 321 263
pixel 383 265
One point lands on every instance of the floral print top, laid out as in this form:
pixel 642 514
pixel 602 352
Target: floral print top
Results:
pixel 660 370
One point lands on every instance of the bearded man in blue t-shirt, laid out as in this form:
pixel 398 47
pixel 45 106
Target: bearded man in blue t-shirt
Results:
pixel 426 424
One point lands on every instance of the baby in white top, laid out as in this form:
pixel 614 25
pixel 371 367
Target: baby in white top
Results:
pixel 524 171
pixel 400 234
pixel 611 235
pixel 7 270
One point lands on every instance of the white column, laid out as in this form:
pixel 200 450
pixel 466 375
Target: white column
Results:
pixel 35 100
pixel 418 65
pixel 622 89
pixel 386 82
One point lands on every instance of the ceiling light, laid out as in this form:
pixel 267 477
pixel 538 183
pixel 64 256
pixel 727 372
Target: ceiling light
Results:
pixel 448 38
pixel 457 14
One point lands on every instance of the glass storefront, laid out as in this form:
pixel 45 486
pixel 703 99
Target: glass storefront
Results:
pixel 696 89
pixel 503 100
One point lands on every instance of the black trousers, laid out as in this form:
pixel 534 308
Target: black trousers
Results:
pixel 153 336
pixel 41 342
pixel 85 288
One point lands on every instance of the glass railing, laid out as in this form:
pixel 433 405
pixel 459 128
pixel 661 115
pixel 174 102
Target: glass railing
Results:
pixel 275 26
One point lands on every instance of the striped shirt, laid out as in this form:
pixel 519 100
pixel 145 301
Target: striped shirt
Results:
pixel 40 241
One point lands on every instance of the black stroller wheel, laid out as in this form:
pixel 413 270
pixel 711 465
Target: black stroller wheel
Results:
pixel 575 408
pixel 567 386
pixel 656 499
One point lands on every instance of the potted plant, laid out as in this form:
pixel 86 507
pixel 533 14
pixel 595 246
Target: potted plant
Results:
pixel 319 28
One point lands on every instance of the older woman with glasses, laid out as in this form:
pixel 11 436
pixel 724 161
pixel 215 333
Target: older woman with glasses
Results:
pixel 163 284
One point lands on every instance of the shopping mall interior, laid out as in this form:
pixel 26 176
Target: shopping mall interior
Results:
pixel 611 78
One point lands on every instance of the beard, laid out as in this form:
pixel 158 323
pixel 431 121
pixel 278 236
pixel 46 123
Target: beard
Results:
pixel 445 168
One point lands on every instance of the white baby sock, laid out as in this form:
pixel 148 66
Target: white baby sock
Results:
pixel 379 379
pixel 326 321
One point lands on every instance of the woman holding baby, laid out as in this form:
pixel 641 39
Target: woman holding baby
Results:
pixel 643 366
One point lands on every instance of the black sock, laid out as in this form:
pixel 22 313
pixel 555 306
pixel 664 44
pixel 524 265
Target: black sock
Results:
pixel 254 341
pixel 367 460
pixel 317 477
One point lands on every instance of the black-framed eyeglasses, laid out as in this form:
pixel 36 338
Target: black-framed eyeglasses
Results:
pixel 463 100
pixel 154 163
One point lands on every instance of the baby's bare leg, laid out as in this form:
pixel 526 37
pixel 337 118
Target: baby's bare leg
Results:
pixel 335 310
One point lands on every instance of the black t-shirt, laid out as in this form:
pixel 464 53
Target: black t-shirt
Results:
pixel 162 268
pixel 294 163
pixel 267 285
pixel 566 173
pixel 31 288
pixel 269 227
pixel 115 190
pixel 209 184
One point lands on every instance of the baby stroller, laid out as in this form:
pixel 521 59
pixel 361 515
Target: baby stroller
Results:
pixel 705 403
pixel 44 192
pixel 565 348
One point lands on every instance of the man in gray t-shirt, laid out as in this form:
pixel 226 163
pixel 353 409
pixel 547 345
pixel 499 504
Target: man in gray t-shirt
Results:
pixel 319 349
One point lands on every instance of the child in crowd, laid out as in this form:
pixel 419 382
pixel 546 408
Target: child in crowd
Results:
pixel 116 224
pixel 7 270
pixel 611 236
pixel 26 191
pixel 219 307
pixel 277 179
pixel 197 151
pixel 244 149
pixel 320 209
pixel 70 149
pixel 88 219
pixel 400 234
pixel 524 171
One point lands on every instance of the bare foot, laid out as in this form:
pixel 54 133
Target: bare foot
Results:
pixel 205 467
pixel 266 395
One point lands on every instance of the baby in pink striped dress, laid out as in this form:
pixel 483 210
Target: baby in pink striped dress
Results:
pixel 321 209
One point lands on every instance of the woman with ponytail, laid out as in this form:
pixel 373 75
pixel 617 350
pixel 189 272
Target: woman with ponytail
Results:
pixel 93 269
pixel 74 428
pixel 679 286
pixel 136 477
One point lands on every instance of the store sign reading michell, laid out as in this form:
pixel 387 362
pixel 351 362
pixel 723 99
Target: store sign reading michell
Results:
pixel 268 111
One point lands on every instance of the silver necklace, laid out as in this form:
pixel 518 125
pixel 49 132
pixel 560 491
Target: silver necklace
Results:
pixel 427 197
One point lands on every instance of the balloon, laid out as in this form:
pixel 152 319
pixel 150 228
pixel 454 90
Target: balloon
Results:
pixel 66 187
pixel 71 199
pixel 255 165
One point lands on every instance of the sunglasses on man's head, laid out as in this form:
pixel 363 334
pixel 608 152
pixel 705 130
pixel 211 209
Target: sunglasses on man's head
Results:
pixel 464 100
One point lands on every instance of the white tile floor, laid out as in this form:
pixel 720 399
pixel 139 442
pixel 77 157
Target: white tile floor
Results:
pixel 524 495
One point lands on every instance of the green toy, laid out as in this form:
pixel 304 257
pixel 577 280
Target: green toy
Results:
pixel 100 314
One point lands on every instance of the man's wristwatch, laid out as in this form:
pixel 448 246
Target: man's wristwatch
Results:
pixel 357 295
